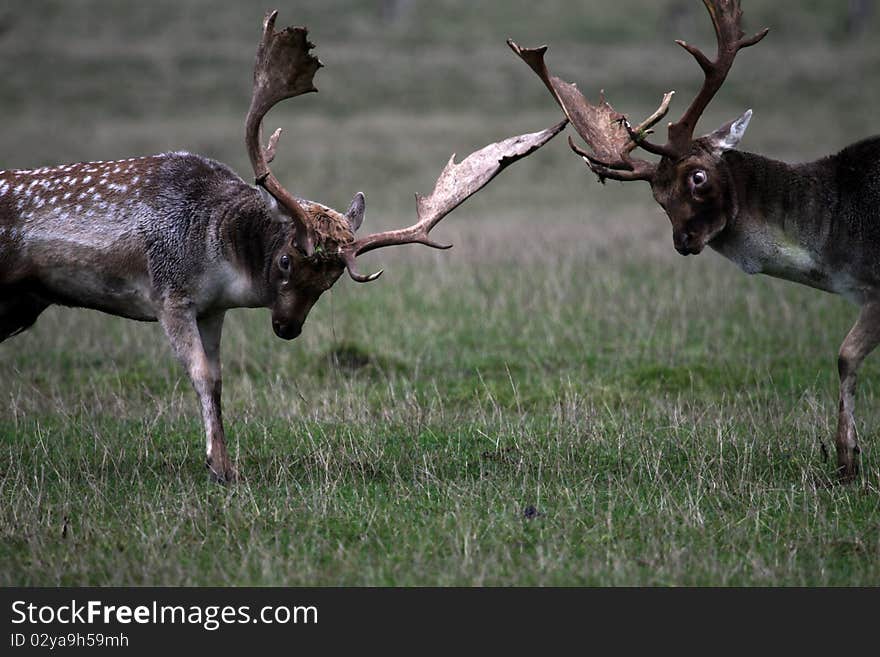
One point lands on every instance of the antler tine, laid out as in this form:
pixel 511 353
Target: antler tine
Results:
pixel 284 68
pixel 637 135
pixel 625 170
pixel 726 18
pixel 606 131
pixel 456 184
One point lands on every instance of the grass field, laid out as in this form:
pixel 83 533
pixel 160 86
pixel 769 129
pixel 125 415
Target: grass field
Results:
pixel 559 400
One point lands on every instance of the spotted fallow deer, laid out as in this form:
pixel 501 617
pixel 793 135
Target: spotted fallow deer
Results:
pixel 180 239
pixel 816 223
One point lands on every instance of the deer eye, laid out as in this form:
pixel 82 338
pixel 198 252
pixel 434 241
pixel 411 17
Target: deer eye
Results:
pixel 699 178
pixel 284 262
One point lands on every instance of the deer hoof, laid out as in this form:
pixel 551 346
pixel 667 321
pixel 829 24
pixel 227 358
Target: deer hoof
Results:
pixel 222 473
pixel 848 465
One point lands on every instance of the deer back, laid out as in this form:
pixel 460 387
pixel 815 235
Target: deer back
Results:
pixel 120 235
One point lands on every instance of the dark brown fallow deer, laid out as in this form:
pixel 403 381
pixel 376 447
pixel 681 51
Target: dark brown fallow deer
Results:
pixel 180 239
pixel 816 223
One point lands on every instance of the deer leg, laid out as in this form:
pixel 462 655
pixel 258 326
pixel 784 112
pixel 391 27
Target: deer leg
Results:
pixel 18 314
pixel 859 342
pixel 185 333
pixel 210 330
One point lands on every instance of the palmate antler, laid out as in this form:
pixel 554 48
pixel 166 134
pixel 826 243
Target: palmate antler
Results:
pixel 284 68
pixel 455 185
pixel 605 130
pixel 608 133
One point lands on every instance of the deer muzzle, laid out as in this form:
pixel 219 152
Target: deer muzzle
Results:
pixel 286 330
pixel 687 244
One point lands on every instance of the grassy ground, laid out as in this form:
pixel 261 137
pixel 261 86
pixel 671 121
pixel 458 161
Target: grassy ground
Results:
pixel 561 399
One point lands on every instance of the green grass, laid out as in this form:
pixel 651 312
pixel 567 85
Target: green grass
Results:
pixel 406 449
pixel 663 416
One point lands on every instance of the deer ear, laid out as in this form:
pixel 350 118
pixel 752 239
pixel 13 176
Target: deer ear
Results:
pixel 355 214
pixel 729 135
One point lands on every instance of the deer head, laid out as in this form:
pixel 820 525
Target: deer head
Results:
pixel 690 181
pixel 319 243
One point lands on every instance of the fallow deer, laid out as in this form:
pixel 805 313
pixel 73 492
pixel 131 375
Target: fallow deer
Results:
pixel 816 223
pixel 180 239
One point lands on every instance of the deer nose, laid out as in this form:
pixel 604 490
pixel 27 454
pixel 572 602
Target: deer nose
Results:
pixel 681 241
pixel 288 330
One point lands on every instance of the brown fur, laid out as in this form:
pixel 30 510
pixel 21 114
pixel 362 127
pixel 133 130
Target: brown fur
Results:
pixel 331 228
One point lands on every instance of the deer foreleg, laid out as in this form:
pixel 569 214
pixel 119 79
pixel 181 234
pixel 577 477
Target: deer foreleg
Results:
pixel 18 313
pixel 210 329
pixel 196 344
pixel 861 340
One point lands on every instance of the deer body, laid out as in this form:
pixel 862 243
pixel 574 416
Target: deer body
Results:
pixel 130 237
pixel 180 239
pixel 175 238
pixel 122 237
pixel 816 223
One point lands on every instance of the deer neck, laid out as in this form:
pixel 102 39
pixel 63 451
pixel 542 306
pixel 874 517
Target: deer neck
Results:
pixel 781 222
pixel 249 238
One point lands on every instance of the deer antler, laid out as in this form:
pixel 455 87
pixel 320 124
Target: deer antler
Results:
pixel 610 135
pixel 606 131
pixel 284 68
pixel 726 18
pixel 455 185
